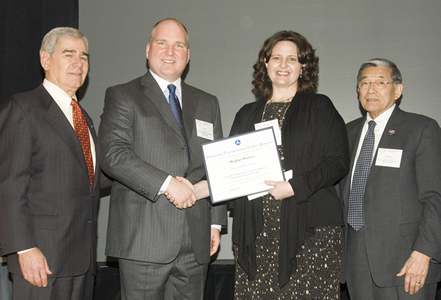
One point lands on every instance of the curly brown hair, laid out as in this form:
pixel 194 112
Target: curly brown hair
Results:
pixel 306 54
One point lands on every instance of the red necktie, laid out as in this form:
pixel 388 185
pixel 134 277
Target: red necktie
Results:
pixel 82 131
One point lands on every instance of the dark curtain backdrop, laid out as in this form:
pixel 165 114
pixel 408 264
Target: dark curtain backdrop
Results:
pixel 23 23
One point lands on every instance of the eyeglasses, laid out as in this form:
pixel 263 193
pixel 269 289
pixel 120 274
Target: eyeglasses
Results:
pixel 380 84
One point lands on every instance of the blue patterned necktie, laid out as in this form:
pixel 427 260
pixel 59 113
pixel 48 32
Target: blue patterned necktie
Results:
pixel 177 112
pixel 361 173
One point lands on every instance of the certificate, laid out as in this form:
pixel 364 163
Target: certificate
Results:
pixel 238 165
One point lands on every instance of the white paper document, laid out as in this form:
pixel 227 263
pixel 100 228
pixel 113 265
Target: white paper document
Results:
pixel 237 166
pixel 275 125
pixel 288 176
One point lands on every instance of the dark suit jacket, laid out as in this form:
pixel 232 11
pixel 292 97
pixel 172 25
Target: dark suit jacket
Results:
pixel 141 145
pixel 45 196
pixel 401 206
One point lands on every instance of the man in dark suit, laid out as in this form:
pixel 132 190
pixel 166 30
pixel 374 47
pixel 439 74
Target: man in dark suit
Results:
pixel 49 179
pixel 163 248
pixel 392 204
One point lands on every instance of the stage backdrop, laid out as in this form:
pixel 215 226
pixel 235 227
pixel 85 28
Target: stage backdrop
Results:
pixel 23 23
pixel 226 35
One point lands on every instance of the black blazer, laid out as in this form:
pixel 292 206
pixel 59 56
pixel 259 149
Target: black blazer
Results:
pixel 45 196
pixel 316 150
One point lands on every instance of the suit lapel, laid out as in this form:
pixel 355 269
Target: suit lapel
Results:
pixel 387 140
pixel 353 137
pixel 56 118
pixel 189 106
pixel 156 96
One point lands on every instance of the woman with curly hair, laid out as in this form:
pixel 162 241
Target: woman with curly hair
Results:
pixel 287 244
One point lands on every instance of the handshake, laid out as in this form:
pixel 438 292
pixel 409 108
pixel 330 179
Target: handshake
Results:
pixel 182 194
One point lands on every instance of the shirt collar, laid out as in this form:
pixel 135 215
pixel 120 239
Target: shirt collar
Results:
pixel 60 97
pixel 384 117
pixel 55 90
pixel 163 84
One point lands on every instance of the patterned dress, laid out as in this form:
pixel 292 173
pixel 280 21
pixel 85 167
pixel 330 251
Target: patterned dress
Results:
pixel 318 263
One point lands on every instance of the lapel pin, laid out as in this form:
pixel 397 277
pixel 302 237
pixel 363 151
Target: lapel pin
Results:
pixel 391 132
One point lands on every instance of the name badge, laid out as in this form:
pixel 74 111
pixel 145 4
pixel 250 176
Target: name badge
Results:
pixel 389 157
pixel 204 130
pixel 275 125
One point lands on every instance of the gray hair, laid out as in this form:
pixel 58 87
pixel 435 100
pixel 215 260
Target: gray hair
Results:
pixel 381 62
pixel 50 40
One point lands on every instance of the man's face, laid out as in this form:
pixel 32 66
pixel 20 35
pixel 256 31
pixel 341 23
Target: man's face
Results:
pixel 377 100
pixel 168 52
pixel 68 66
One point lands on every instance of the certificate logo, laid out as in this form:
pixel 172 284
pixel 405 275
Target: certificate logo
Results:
pixel 237 142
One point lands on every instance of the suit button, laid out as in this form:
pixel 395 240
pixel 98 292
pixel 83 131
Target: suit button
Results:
pixel 184 147
pixel 89 221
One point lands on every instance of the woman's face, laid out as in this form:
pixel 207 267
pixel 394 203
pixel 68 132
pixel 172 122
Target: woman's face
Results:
pixel 283 66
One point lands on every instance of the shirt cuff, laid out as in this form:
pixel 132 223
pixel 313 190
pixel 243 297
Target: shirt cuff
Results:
pixel 164 186
pixel 219 227
pixel 23 251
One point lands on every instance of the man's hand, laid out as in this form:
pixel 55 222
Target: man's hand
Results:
pixel 415 268
pixel 215 240
pixel 34 267
pixel 281 190
pixel 200 189
pixel 180 194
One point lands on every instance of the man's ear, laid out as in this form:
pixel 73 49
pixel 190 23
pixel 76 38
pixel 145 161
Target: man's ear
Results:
pixel 44 60
pixel 398 91
pixel 147 51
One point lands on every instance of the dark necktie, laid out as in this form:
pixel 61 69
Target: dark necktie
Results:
pixel 82 130
pixel 177 112
pixel 361 173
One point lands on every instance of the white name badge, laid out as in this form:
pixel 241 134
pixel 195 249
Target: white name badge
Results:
pixel 204 130
pixel 389 157
pixel 275 125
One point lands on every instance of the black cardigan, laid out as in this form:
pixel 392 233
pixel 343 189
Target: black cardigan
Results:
pixel 316 149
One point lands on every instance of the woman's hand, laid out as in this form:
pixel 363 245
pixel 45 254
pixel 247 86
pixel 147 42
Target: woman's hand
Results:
pixel 281 190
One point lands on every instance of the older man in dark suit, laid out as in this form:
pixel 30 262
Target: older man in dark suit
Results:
pixel 392 196
pixel 49 179
pixel 151 131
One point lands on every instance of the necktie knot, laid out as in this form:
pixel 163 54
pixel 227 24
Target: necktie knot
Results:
pixel 172 88
pixel 371 125
pixel 73 103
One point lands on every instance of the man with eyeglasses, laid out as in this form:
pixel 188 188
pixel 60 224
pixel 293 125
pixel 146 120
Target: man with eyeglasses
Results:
pixel 392 196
